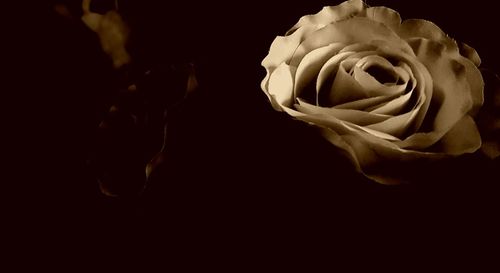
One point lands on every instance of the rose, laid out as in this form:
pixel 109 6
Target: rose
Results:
pixel 388 93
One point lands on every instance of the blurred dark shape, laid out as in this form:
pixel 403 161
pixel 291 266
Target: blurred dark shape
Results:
pixel 134 132
pixel 488 120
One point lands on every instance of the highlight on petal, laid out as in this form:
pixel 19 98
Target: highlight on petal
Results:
pixel 312 63
pixel 281 51
pixel 281 84
pixel 357 117
pixel 330 14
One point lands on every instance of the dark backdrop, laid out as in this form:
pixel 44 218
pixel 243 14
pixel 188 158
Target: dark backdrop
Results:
pixel 238 174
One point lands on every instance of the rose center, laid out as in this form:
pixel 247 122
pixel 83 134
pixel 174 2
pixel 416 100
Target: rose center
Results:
pixel 382 75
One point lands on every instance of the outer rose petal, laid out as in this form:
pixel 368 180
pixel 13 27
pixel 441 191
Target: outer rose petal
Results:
pixel 354 30
pixel 476 83
pixel 280 87
pixel 361 118
pixel 281 50
pixel 469 53
pixel 331 14
pixel 462 138
pixel 368 153
pixel 419 28
pixel 452 91
pixel 386 16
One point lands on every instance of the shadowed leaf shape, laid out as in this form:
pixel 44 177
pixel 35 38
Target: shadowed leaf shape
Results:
pixel 132 138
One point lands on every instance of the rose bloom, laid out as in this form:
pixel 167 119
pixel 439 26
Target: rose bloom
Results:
pixel 388 93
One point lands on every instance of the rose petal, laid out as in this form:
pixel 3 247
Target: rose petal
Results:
pixel 281 50
pixel 312 63
pixel 394 106
pixel 330 14
pixel 396 126
pixel 419 28
pixel 363 104
pixel 359 47
pixel 476 83
pixel 330 68
pixel 280 87
pixel 357 117
pixel 452 92
pixel 345 88
pixel 469 53
pixel 384 15
pixel 462 138
pixel 410 29
pixel 373 86
pixel 342 127
pixel 354 30
pixel 367 152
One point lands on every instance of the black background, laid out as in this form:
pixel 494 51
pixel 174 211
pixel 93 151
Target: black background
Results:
pixel 239 176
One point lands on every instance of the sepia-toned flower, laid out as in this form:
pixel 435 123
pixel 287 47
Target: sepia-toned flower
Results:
pixel 387 92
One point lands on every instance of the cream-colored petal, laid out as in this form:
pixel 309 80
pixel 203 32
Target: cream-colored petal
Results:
pixel 452 93
pixel 364 104
pixel 462 138
pixel 354 30
pixel 281 84
pixel 312 63
pixel 397 126
pixel 414 28
pixel 423 89
pixel 469 53
pixel 476 83
pixel 326 120
pixel 384 15
pixel 358 47
pixel 345 88
pixel 419 28
pixel 394 106
pixel 370 154
pixel 357 117
pixel 331 14
pixel 281 51
pixel 328 73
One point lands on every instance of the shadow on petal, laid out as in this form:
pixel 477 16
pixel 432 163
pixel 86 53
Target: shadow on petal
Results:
pixel 488 119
